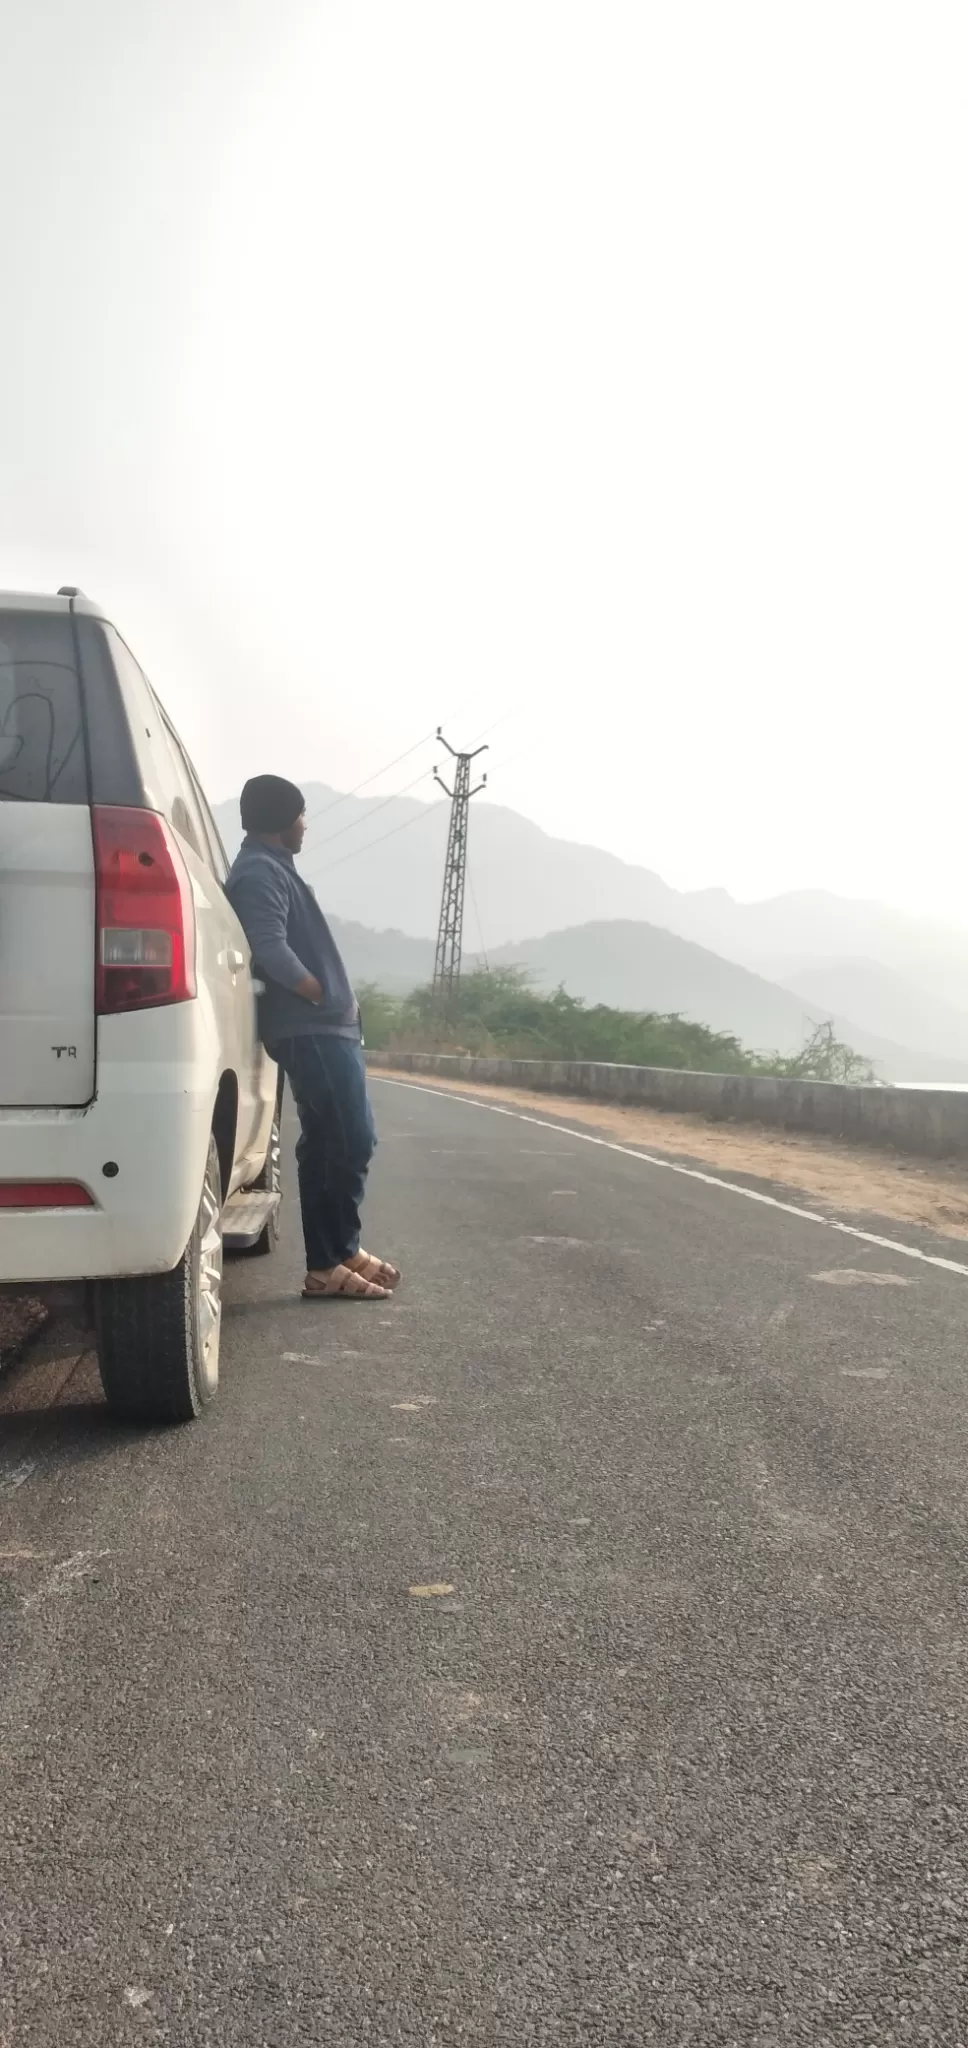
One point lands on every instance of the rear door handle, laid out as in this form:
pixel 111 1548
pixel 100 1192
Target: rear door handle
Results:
pixel 235 959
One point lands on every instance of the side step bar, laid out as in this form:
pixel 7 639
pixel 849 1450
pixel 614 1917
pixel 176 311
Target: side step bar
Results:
pixel 244 1219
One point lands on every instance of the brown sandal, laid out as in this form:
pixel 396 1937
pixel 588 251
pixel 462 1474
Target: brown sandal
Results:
pixel 379 1271
pixel 343 1285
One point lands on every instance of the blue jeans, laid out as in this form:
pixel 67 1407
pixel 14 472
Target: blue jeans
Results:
pixel 327 1076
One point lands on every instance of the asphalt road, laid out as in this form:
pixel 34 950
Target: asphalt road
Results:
pixel 681 1758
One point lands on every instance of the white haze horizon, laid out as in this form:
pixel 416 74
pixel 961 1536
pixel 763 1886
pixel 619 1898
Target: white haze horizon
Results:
pixel 590 377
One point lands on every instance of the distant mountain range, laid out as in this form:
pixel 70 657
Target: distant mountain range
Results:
pixel 895 986
pixel 393 961
pixel 637 967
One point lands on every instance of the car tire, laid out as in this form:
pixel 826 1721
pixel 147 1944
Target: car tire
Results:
pixel 270 1180
pixel 158 1336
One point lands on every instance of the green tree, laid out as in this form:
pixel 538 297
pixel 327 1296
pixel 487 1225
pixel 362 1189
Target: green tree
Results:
pixel 822 1057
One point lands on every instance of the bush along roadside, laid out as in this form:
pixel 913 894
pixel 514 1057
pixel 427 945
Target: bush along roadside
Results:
pixel 499 1013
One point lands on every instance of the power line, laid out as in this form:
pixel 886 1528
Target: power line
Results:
pixel 502 720
pixel 385 770
pixel 375 809
pixel 367 779
pixel 429 810
pixel 386 801
pixel 423 813
pixel 506 759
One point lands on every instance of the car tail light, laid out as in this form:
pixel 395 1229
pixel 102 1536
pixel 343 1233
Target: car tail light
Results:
pixel 145 913
pixel 44 1194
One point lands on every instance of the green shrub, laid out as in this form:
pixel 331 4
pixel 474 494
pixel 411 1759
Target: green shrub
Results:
pixel 501 1013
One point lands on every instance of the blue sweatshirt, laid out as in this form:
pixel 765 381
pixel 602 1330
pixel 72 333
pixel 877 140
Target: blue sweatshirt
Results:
pixel 290 938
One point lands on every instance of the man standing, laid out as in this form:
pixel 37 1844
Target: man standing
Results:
pixel 309 1021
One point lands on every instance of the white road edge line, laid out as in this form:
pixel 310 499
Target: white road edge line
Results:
pixel 709 1180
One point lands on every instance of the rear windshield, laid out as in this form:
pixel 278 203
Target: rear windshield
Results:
pixel 42 758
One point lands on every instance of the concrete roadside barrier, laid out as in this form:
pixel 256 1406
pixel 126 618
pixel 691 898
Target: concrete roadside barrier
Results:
pixel 928 1123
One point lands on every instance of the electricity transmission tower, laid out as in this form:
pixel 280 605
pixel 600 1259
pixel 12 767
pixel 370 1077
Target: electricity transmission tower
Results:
pixel 451 928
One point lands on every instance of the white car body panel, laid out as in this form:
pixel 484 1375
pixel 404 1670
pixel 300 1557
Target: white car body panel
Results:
pixel 224 973
pixel 158 1078
pixel 47 944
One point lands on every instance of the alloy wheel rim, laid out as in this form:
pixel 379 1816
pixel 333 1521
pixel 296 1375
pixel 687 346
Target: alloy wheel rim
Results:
pixel 210 1274
pixel 275 1158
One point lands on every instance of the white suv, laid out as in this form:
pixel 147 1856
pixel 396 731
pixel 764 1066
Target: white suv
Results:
pixel 138 1110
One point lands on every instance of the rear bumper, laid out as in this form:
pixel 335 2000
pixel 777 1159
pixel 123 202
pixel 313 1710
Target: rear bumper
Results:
pixel 151 1119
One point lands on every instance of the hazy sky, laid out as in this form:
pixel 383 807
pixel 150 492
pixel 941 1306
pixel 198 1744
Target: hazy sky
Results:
pixel 600 368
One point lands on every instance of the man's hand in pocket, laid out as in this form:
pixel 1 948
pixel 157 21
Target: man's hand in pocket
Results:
pixel 310 989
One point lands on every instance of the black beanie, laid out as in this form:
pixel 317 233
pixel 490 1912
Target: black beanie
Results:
pixel 270 804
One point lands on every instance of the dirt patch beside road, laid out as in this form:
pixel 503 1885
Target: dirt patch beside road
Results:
pixel 845 1177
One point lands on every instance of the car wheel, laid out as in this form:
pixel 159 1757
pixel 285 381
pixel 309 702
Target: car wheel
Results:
pixel 158 1337
pixel 270 1181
